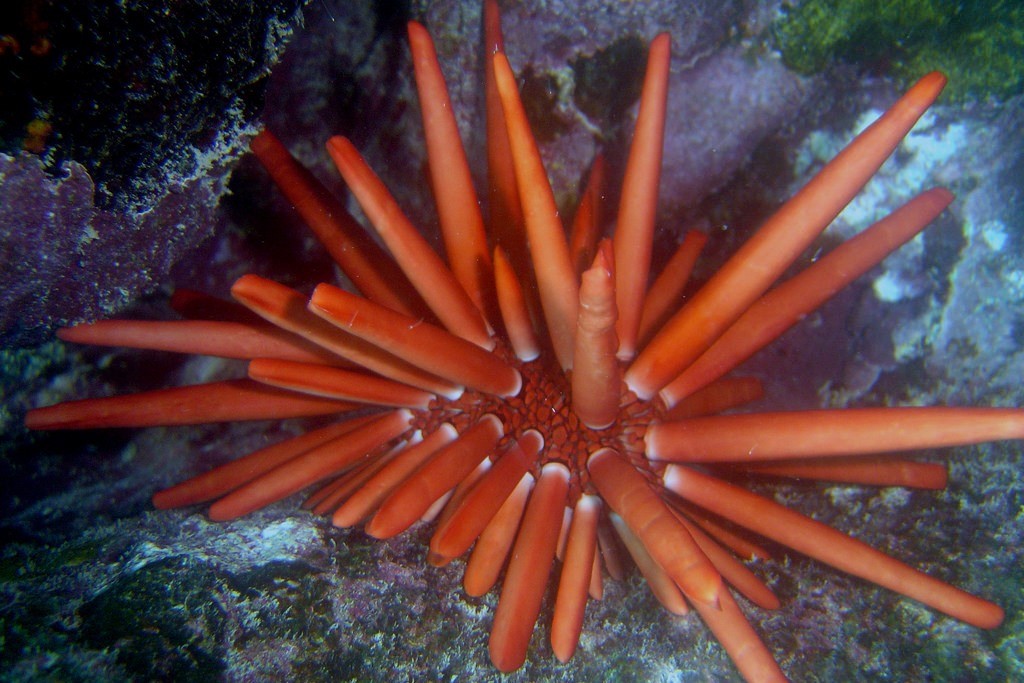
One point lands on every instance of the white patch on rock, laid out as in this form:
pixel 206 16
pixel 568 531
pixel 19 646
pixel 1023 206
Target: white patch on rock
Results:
pixel 994 234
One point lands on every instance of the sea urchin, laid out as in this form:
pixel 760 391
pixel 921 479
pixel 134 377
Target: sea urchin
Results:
pixel 534 394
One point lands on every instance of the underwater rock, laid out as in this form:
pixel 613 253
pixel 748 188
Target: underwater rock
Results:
pixel 148 104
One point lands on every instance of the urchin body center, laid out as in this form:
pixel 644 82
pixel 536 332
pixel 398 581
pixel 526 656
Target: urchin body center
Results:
pixel 544 404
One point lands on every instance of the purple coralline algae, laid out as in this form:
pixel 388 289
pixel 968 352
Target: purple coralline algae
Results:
pixel 67 260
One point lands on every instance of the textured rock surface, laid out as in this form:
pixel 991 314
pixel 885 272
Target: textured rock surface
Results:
pixel 149 104
pixel 68 260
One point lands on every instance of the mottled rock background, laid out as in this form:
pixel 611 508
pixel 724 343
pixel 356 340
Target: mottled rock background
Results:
pixel 143 186
pixel 149 105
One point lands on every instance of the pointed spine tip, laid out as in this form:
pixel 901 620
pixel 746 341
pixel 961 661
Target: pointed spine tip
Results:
pixel 933 82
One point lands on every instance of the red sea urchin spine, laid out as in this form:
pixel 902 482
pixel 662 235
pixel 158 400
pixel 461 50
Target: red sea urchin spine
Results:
pixel 195 305
pixel 368 498
pixel 634 230
pixel 201 337
pixel 514 311
pixel 852 431
pixel 556 280
pixel 587 222
pixel 310 467
pixel 739 544
pixel 660 583
pixel 666 292
pixel 787 304
pixel 505 213
pixel 441 473
pixel 462 223
pixel 596 375
pixel 878 471
pixel 492 547
pixel 417 342
pixel 526 578
pixel 629 494
pixel 717 397
pixel 219 481
pixel 746 650
pixel 241 399
pixel 827 545
pixel 777 243
pixel 577 567
pixel 320 380
pixel 330 494
pixel 361 259
pixel 287 308
pixel 424 268
pixel 732 570
pixel 470 517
